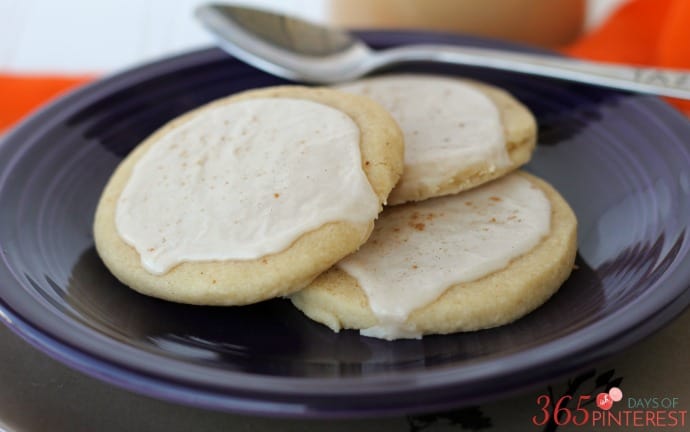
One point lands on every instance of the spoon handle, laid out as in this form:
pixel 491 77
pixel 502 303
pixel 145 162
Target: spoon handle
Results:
pixel 663 82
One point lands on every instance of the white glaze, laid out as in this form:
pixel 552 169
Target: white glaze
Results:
pixel 244 180
pixel 419 250
pixel 448 126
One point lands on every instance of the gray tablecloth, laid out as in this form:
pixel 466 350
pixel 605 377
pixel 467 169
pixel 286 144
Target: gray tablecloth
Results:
pixel 38 394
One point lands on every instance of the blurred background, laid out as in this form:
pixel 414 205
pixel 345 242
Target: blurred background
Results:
pixel 92 37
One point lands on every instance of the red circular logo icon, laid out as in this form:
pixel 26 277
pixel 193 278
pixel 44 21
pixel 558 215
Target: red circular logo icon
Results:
pixel 604 401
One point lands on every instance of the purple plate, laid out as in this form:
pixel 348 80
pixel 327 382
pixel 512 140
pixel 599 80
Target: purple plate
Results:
pixel 622 161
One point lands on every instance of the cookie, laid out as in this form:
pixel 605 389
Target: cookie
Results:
pixel 248 197
pixel 475 260
pixel 458 133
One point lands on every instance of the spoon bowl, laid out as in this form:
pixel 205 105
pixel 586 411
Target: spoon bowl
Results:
pixel 286 46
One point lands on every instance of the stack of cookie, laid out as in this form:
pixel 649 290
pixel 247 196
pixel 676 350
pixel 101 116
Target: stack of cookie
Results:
pixel 390 205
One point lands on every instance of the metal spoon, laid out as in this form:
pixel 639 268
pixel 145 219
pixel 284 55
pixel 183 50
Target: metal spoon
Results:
pixel 302 51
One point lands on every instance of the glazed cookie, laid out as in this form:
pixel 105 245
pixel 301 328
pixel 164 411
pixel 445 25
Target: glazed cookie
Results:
pixel 465 262
pixel 249 197
pixel 458 133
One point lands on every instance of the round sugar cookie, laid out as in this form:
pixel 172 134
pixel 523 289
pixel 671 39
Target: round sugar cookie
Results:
pixel 248 197
pixel 458 133
pixel 475 260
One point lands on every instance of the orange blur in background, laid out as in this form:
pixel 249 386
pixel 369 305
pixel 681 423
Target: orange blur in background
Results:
pixel 642 32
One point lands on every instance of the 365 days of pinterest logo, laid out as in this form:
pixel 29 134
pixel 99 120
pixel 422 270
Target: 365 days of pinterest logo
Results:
pixel 613 411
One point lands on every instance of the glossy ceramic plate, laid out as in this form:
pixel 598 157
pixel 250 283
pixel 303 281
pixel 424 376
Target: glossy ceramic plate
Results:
pixel 621 161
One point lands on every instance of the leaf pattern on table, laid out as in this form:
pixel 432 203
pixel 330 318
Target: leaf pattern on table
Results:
pixel 469 418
